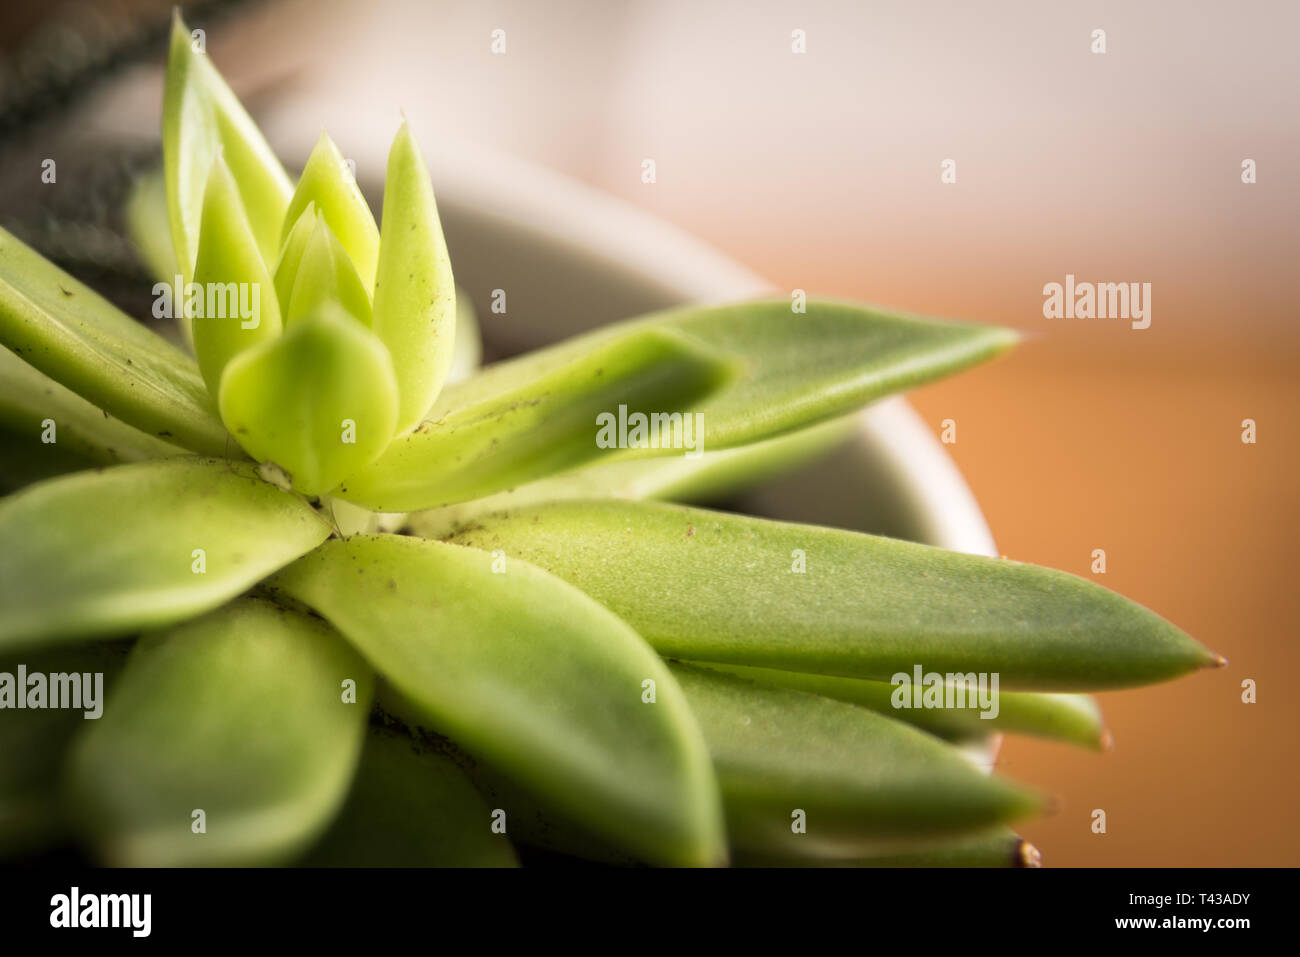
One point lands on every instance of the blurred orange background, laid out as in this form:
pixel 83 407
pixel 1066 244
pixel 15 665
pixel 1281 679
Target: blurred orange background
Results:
pixel 821 171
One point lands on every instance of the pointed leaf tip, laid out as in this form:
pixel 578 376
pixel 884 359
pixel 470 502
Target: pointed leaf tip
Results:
pixel 415 293
pixel 326 275
pixel 327 181
pixel 236 306
pixel 201 115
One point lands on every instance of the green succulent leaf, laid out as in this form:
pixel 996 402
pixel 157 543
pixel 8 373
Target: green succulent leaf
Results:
pixel 79 339
pixel 49 422
pixel 709 476
pixel 415 295
pixel 479 442
pixel 319 402
pixel 295 244
pixel 528 673
pixel 411 807
pixel 34 740
pixel 236 306
pixel 864 782
pixel 784 372
pixel 104 553
pixel 325 275
pixel 253 714
pixel 328 183
pixel 201 119
pixel 1064 717
pixel 717 587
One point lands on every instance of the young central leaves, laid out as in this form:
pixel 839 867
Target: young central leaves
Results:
pixel 320 401
pixel 327 182
pixel 325 274
pixel 415 294
pixel 201 118
pixel 236 306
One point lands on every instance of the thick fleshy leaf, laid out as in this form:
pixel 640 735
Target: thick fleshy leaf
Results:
pixel 528 673
pixel 325 276
pixel 253 715
pixel 1063 717
pixel 710 476
pixel 79 339
pixel 34 740
pixel 717 587
pixel 201 118
pixel 236 307
pixel 538 427
pixel 415 295
pixel 105 553
pixel 319 402
pixel 411 807
pixel 786 371
pixel 327 182
pixel 863 783
pixel 295 244
pixel 50 423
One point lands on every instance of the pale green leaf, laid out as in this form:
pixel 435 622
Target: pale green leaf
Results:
pixel 328 183
pixel 325 275
pixel 48 422
pixel 797 369
pixel 717 587
pixel 415 295
pixel 104 553
pixel 236 307
pixel 785 371
pixel 534 427
pixel 252 714
pixel 201 118
pixel 709 476
pixel 527 673
pixel 79 339
pixel 319 402
pixel 295 244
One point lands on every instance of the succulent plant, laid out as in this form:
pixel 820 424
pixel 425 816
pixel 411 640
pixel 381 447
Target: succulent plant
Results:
pixel 357 602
